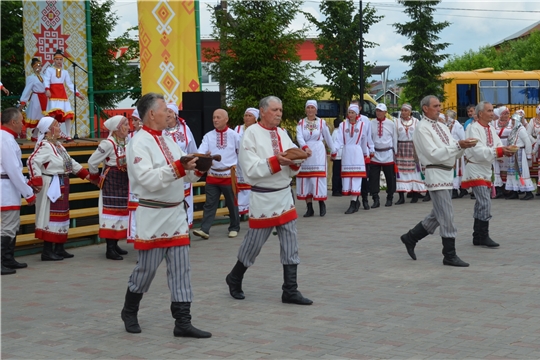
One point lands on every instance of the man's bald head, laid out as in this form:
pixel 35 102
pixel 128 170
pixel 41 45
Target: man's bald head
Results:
pixel 220 119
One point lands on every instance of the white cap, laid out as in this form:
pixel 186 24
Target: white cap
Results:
pixel 381 107
pixel 354 108
pixel 136 114
pixel 253 112
pixel 312 103
pixel 112 124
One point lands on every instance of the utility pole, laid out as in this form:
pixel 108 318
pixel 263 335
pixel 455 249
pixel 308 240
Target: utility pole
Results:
pixel 361 59
pixel 222 87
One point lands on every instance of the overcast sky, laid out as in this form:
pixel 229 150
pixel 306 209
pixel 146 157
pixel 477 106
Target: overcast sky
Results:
pixel 472 24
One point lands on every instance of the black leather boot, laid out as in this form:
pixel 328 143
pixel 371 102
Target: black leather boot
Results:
pixel 365 202
pixel 182 326
pixel 389 199
pixel 309 211
pixel 119 250
pixel 60 251
pixel 485 240
pixel 454 194
pixel 415 197
pixel 528 196
pixel 462 193
pixel 401 198
pixel 376 202
pixel 412 237
pixel 111 250
pixel 513 195
pixel 8 254
pixel 234 280
pixel 427 197
pixel 48 254
pixel 322 208
pixel 476 235
pixel 291 295
pixel 357 205
pixel 7 271
pixel 449 252
pixel 499 193
pixel 130 310
pixel 351 208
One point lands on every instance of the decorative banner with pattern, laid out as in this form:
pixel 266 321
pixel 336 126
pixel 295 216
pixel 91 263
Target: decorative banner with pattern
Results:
pixel 51 25
pixel 168 51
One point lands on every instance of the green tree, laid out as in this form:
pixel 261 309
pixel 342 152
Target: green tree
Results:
pixel 423 51
pixel 337 48
pixel 259 56
pixel 12 50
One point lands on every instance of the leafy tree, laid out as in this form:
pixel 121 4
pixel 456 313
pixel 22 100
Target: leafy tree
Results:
pixel 520 54
pixel 259 56
pixel 337 47
pixel 423 51
pixel 12 49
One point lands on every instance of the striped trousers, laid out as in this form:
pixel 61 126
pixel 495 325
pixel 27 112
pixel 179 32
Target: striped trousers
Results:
pixel 178 272
pixel 255 239
pixel 482 206
pixel 441 215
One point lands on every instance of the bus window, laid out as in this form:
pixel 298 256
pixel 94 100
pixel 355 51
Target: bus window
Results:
pixel 494 91
pixel 328 108
pixel 368 110
pixel 524 91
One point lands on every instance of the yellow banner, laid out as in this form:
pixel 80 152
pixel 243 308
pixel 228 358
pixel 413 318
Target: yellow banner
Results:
pixel 167 41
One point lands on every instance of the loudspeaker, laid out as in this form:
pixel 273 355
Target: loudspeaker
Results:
pixel 207 115
pixel 199 100
pixel 194 121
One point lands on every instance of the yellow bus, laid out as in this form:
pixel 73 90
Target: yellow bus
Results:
pixel 516 89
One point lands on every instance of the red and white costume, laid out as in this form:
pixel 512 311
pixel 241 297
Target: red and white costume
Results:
pixel 410 178
pixel 225 143
pixel 311 181
pixel 34 95
pixel 458 133
pixel 56 80
pixel 243 188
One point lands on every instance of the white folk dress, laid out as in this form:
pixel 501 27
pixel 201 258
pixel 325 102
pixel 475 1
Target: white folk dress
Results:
pixel 157 177
pixel 59 106
pixel 409 178
pixel 311 181
pixel 353 139
pixel 50 160
pixel 182 135
pixel 271 201
pixel 114 185
pixel 519 178
pixel 243 188
pixel 457 131
pixel 500 165
pixel 34 96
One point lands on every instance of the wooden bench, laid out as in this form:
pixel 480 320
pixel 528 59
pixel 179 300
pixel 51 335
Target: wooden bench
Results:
pixel 73 233
pixel 75 196
pixel 73 214
pixel 84 165
pixel 71 153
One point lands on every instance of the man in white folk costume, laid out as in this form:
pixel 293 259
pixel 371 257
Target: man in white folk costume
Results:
pixel 156 176
pixel 477 173
pixel 13 185
pixel 269 171
pixel 437 150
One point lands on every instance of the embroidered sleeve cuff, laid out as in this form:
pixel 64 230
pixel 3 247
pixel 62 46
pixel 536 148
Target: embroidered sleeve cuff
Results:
pixel 500 152
pixel 178 169
pixel 94 176
pixel 305 147
pixel 273 164
pixel 83 173
pixel 36 181
pixel 31 198
pixel 367 159
pixel 23 103
pixel 295 167
pixel 47 89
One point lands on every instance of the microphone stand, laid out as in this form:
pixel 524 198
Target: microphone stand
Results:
pixel 75 66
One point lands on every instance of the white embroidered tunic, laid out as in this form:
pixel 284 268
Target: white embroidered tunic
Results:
pixel 225 143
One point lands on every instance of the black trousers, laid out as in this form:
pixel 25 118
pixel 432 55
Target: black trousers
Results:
pixel 364 189
pixel 337 185
pixel 213 193
pixel 375 178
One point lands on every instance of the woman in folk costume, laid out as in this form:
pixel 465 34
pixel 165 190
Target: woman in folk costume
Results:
pixel 458 133
pixel 534 130
pixel 49 167
pixel 311 181
pixel 244 189
pixel 56 80
pixel 503 127
pixel 178 130
pixel 34 96
pixel 409 179
pixel 518 178
pixel 353 138
pixel 133 201
pixel 114 185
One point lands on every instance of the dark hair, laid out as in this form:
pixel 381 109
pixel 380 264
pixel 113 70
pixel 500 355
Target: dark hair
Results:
pixel 337 121
pixel 470 106
pixel 35 60
pixel 147 103
pixel 10 114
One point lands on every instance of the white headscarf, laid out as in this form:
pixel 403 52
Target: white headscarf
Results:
pixel 136 114
pixel 112 124
pixel 354 108
pixel 173 107
pixel 253 112
pixel 312 103
pixel 43 126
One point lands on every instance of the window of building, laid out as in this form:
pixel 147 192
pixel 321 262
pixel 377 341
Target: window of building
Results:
pixel 494 91
pixel 524 91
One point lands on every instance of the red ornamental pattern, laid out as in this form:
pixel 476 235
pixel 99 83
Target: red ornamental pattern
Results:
pixel 221 140
pixel 440 132
pixel 275 141
pixel 48 41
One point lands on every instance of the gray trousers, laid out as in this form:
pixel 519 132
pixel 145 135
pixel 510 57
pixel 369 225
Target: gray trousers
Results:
pixel 178 272
pixel 482 206
pixel 213 192
pixel 255 239
pixel 10 221
pixel 441 215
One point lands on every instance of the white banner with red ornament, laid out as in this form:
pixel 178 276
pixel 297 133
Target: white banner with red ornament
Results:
pixel 51 25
